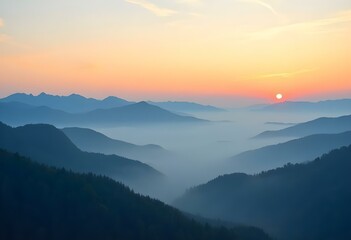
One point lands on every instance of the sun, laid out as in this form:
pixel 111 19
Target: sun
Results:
pixel 279 96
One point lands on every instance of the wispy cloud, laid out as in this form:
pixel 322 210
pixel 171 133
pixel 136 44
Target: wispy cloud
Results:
pixel 190 1
pixel 319 25
pixel 257 2
pixel 4 38
pixel 286 74
pixel 263 4
pixel 158 11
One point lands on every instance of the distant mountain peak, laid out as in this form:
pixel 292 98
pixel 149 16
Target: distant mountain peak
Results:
pixel 73 103
pixel 20 94
pixel 82 98
pixel 109 98
pixel 143 103
pixel 76 95
pixel 42 94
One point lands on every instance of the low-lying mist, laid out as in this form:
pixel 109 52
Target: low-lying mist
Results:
pixel 200 151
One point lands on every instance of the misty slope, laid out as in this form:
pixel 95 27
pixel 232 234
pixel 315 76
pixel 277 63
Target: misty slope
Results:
pixel 92 141
pixel 73 103
pixel 16 113
pixel 302 201
pixel 186 107
pixel 38 202
pixel 319 125
pixel 51 146
pixel 338 105
pixel 139 113
pixel 294 151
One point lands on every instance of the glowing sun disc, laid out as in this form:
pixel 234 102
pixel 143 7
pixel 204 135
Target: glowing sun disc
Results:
pixel 279 96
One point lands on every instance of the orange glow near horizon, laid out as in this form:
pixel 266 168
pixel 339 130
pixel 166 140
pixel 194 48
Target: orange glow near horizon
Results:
pixel 170 53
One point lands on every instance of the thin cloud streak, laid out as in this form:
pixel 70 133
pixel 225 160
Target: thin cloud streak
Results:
pixel 309 27
pixel 158 11
pixel 4 38
pixel 263 4
pixel 190 2
pixel 286 74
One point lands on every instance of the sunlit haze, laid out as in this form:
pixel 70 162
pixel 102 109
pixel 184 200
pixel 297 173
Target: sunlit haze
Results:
pixel 175 119
pixel 208 51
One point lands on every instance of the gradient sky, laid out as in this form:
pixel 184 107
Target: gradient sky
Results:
pixel 213 51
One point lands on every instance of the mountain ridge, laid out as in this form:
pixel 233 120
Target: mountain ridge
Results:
pixel 73 103
pixel 51 146
pixel 335 105
pixel 298 201
pixel 93 141
pixel 187 107
pixel 15 113
pixel 293 151
pixel 57 204
pixel 316 126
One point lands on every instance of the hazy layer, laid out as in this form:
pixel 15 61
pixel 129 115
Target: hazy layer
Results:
pixel 201 149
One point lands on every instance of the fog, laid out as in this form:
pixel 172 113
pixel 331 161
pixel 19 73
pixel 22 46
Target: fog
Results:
pixel 200 151
pixel 195 151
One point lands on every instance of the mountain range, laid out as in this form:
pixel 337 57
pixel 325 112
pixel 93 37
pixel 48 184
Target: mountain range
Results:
pixel 294 151
pixel 40 202
pixel 73 103
pixel 302 201
pixel 49 145
pixel 76 103
pixel 141 112
pixel 319 125
pixel 93 141
pixel 338 105
pixel 15 113
pixel 187 107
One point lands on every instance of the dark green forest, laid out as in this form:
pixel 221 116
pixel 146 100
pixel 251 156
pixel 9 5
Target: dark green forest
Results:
pixel 298 201
pixel 40 202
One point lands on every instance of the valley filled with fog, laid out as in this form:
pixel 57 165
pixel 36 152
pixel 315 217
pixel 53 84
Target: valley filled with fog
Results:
pixel 267 166
pixel 201 151
pixel 175 120
pixel 186 143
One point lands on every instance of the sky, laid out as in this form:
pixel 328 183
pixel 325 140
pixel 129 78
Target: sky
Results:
pixel 212 51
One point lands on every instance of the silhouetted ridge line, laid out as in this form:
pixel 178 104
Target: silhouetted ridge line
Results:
pixel 38 202
pixel 319 125
pixel 297 201
pixel 49 145
pixel 294 151
pixel 139 113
